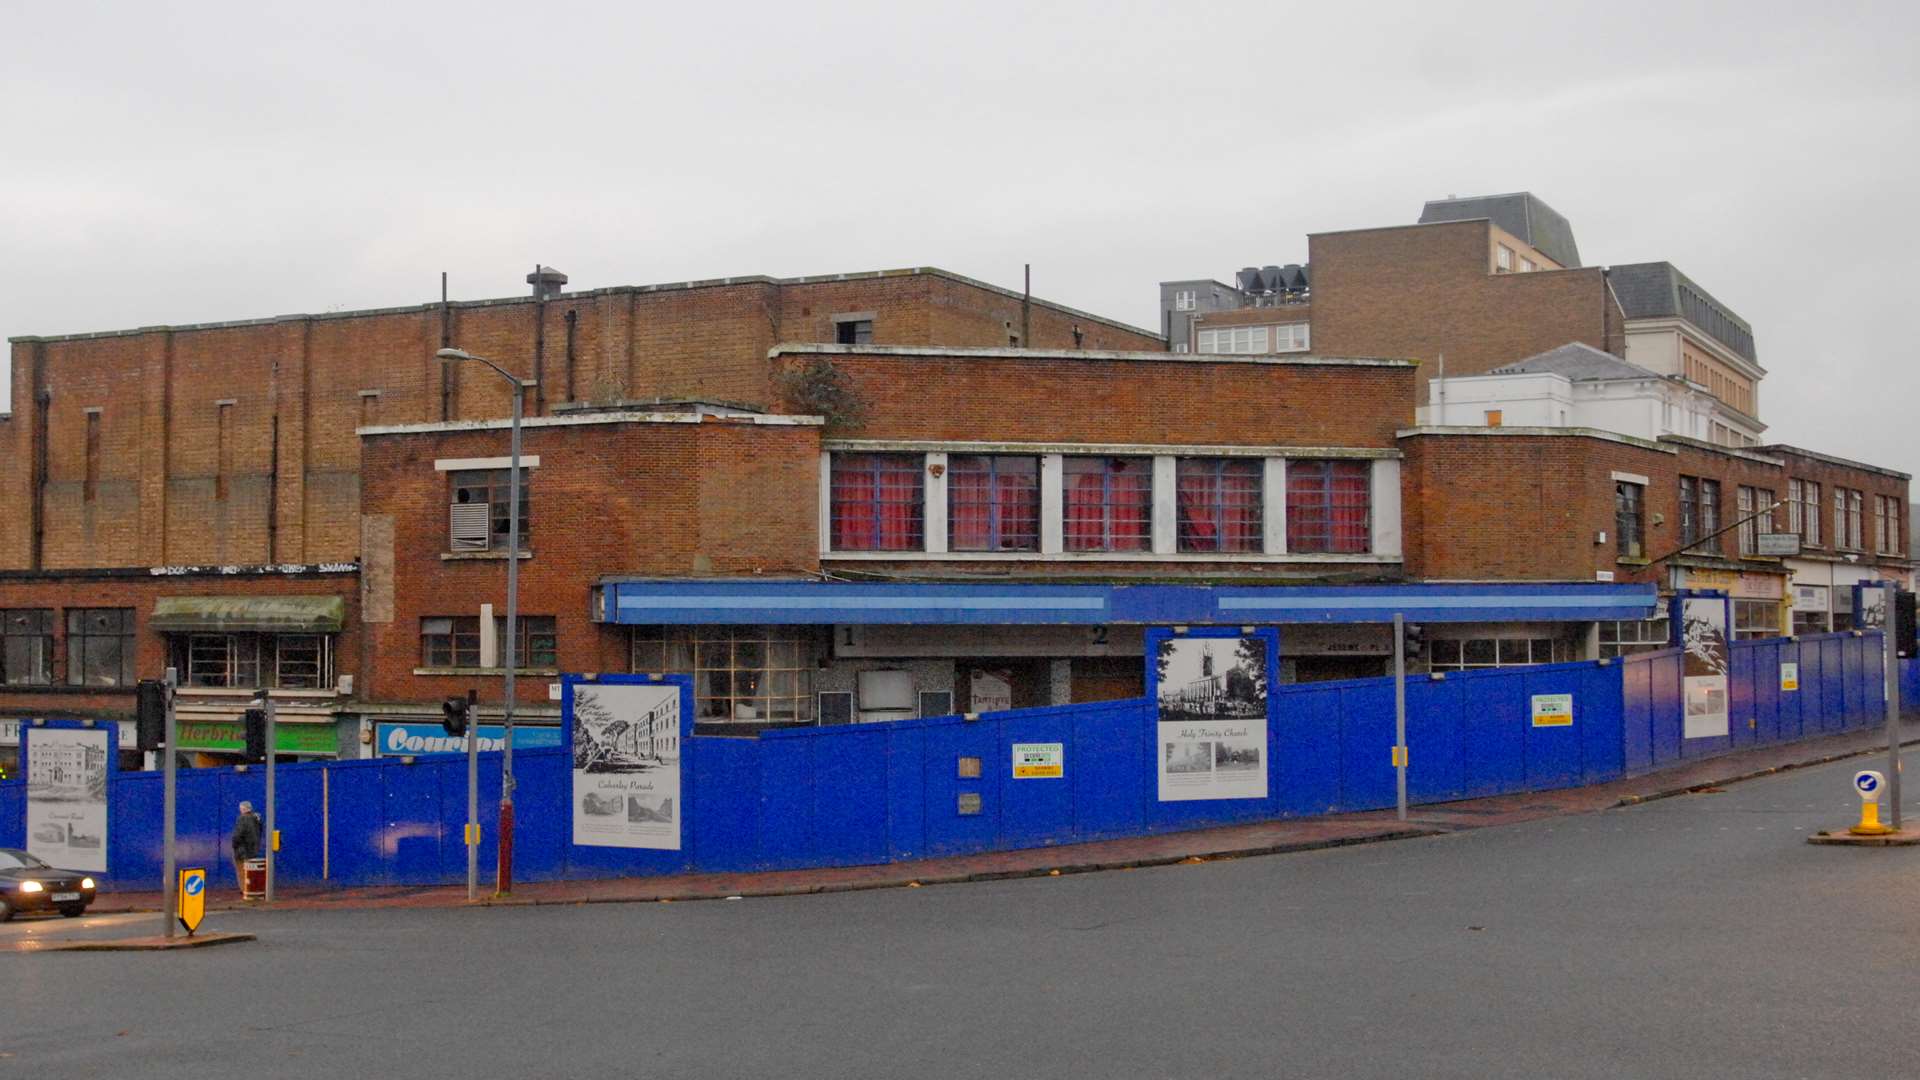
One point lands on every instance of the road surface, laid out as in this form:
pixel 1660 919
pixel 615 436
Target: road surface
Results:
pixel 1691 937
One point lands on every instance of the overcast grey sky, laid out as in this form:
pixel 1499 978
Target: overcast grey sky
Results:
pixel 191 162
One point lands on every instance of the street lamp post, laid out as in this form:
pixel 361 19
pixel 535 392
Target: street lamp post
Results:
pixel 504 871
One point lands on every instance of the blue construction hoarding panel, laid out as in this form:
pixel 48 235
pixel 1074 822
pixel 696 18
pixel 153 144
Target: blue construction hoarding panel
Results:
pixel 1550 750
pixel 865 794
pixel 1434 711
pixel 1493 732
pixel 1599 721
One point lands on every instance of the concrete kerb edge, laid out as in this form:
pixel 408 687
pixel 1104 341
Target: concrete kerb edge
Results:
pixel 148 944
pixel 1702 785
pixel 1283 848
pixel 1062 870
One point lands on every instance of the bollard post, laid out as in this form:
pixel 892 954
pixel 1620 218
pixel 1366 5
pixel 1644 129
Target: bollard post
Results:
pixel 1889 632
pixel 170 900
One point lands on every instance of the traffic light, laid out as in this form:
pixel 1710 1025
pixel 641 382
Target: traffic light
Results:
pixel 150 714
pixel 453 716
pixel 1416 640
pixel 255 723
pixel 1904 624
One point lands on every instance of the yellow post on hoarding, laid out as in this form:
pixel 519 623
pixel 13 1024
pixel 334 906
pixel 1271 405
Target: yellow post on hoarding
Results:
pixel 193 898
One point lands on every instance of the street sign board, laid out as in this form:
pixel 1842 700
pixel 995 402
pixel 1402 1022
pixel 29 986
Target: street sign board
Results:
pixel 1782 544
pixel 193 898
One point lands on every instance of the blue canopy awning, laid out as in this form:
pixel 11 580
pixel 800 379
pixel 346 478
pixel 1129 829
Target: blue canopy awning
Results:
pixel 965 603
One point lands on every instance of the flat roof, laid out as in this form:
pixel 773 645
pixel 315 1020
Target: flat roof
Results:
pixel 1784 448
pixel 998 353
pixel 611 290
pixel 583 419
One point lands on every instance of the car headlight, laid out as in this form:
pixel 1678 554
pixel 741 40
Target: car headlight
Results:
pixel 86 883
pixel 31 887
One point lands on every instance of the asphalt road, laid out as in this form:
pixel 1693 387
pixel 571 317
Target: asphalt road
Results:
pixel 1692 937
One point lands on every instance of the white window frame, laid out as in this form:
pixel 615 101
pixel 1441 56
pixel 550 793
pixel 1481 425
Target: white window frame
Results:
pixel 1233 341
pixel 1186 299
pixel 1384 509
pixel 1503 257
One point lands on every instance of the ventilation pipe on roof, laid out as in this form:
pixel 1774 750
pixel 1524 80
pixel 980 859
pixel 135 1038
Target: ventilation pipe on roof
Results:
pixel 547 282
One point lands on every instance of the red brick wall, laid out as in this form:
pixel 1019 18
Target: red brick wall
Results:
pixel 1416 292
pixel 1732 472
pixel 1172 401
pixel 140 593
pixel 164 493
pixel 1520 507
pixel 1830 475
pixel 660 500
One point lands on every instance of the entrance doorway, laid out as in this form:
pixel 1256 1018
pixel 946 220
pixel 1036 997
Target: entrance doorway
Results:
pixel 1108 678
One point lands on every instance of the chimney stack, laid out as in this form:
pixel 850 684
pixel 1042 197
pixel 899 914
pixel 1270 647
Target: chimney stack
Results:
pixel 547 283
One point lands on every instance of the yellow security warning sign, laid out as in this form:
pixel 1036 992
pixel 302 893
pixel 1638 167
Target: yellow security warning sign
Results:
pixel 1039 761
pixel 193 898
pixel 1553 710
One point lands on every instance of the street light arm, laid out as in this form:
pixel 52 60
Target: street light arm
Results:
pixel 450 355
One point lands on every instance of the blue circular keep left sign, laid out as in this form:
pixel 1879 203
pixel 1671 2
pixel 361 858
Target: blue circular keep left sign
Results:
pixel 195 884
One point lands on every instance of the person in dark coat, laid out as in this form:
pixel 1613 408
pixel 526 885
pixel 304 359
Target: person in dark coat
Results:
pixel 246 842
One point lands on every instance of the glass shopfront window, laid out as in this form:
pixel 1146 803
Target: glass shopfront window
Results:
pixel 741 674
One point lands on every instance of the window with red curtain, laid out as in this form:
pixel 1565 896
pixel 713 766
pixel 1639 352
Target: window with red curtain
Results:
pixel 1329 507
pixel 1108 503
pixel 993 503
pixel 877 502
pixel 1219 504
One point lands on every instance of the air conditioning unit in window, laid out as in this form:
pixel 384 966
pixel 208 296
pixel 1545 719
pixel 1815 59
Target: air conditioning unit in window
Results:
pixel 467 525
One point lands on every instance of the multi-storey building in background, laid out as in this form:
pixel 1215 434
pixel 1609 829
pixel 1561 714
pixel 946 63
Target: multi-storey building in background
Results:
pixel 861 497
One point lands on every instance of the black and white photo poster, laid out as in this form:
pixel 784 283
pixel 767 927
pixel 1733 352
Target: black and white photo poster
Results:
pixel 1211 727
pixel 626 765
pixel 1704 660
pixel 67 797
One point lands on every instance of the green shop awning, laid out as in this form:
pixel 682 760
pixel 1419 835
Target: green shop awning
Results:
pixel 275 614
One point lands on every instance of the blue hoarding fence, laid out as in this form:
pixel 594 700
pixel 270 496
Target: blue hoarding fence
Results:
pixel 874 793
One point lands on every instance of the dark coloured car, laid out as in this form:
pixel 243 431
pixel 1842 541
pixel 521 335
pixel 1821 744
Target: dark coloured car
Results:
pixel 28 884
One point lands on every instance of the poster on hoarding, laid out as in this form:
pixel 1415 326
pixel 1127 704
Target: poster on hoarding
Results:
pixel 626 765
pixel 67 797
pixel 1211 720
pixel 1039 760
pixel 1553 710
pixel 1704 662
pixel 1789 675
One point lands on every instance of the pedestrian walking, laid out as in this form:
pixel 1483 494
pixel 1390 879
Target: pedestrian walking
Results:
pixel 246 842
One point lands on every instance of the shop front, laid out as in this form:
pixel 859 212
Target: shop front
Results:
pixel 1760 604
pixel 780 654
pixel 222 741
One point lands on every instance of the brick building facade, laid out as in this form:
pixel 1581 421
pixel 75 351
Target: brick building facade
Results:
pixel 233 443
pixel 848 498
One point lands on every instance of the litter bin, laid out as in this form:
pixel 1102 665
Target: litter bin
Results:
pixel 254 879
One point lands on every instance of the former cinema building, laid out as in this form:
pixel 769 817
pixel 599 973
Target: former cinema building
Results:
pixel 854 498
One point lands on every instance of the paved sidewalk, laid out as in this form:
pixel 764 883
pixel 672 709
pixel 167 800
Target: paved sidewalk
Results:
pixel 1238 841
